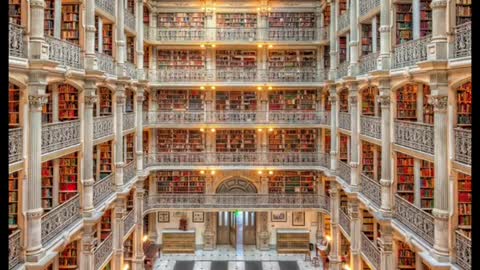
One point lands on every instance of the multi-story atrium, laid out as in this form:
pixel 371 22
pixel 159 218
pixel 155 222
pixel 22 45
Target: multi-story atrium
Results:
pixel 266 127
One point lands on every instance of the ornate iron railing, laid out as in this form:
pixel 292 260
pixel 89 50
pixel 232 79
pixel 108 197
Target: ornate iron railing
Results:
pixel 344 171
pixel 15 144
pixel 371 126
pixel 463 248
pixel 370 251
pixel 235 117
pixel 294 117
pixel 131 70
pixel 55 222
pixel 344 221
pixel 293 159
pixel 415 219
pixel 463 145
pixel 291 34
pixel 236 34
pixel 371 190
pixel 368 5
pixel 129 20
pixel 129 172
pixel 14 249
pixel 102 127
pixel 417 136
pixel 463 40
pixel 344 21
pixel 169 159
pixel 344 120
pixel 60 135
pixel 181 34
pixel 128 121
pixel 103 252
pixel 105 63
pixel 368 63
pixel 102 189
pixel 324 34
pixel 411 52
pixel 178 75
pixel 64 52
pixel 107 5
pixel 181 117
pixel 342 69
pixel 15 40
pixel 237 75
pixel 128 222
pixel 293 75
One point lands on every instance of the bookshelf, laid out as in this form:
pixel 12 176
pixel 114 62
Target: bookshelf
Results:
pixel 463 9
pixel 327 224
pixel 13 106
pixel 237 20
pixel 15 11
pixel 96 33
pixel 425 18
pixel 129 101
pixel 47 185
pixel 292 140
pixel 407 103
pixel 327 141
pixel 342 7
pixel 292 182
pixel 368 101
pixel 464 193
pixel 343 201
pixel 13 199
pixel 379 162
pixel 344 249
pixel 343 145
pixel 146 57
pixel 326 16
pixel 106 225
pixel 293 242
pixel 129 147
pixel 131 6
pixel 181 59
pixel 106 159
pixel 95 162
pixel 67 103
pixel 105 97
pixel 286 100
pixel 327 105
pixel 292 59
pixel 342 45
pixel 366 39
pixel 368 159
pixel 296 20
pixel 236 100
pixel 236 140
pixel 427 184
pixel 326 58
pixel 406 257
pixel 464 105
pixel 49 18
pixel 107 38
pixel 130 49
pixel 128 249
pixel 71 23
pixel 181 20
pixel 343 100
pixel 180 100
pixel 405 178
pixel 179 181
pixel 47 109
pixel 146 16
pixel 235 59
pixel 68 258
pixel 404 23
pixel 181 140
pixel 428 115
pixel 130 201
pixel 146 100
pixel 68 173
pixel 145 142
pixel 367 224
pixel 178 242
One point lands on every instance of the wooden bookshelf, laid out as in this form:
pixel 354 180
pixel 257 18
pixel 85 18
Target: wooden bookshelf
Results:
pixel 129 101
pixel 95 162
pixel 146 15
pixel 146 57
pixel 343 146
pixel 427 184
pixel 379 162
pixel 464 203
pixel 67 102
pixel 405 178
pixel 342 45
pixel 293 242
pixel 327 105
pixel 130 49
pixel 327 221
pixel 178 242
pixel 342 7
pixel 128 249
pixel 71 23
pixel 181 140
pixel 47 109
pixel 326 16
pixel 292 59
pixel 287 100
pixel 463 9
pixel 292 140
pixel 47 185
pixel 404 23
pixel 180 100
pixel 326 58
pixel 428 115
pixel 105 97
pixel 96 34
pixel 236 100
pixel 407 103
pixel 406 257
pixel 129 147
pixel 13 106
pixel 368 101
pixel 343 201
pixel 236 59
pixel 367 225
pixel 13 201
pixel 68 173
pixel 15 11
pixel 343 100
pixel 344 249
pixel 106 225
pixel 68 258
pixel 327 141
pixel 368 159
pixel 49 18
pixel 295 20
pixel 292 182
pixel 107 38
pixel 179 181
pixel 145 142
pixel 181 20
pixel 236 140
pixel 106 159
pixel 146 99
pixel 366 38
pixel 464 105
pixel 237 20
pixel 425 18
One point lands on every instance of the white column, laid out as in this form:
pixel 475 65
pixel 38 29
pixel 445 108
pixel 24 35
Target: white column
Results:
pixel 152 226
pixel 87 255
pixel 100 34
pixel 140 51
pixel 89 98
pixel 120 39
pixel 355 234
pixel 138 256
pixel 57 19
pixel 119 111
pixel 354 40
pixel 437 49
pixel 334 256
pixel 139 126
pixel 386 177
pixel 355 139
pixel 38 48
pixel 90 59
pixel 333 41
pixel 333 127
pixel 383 62
pixel 387 260
pixel 417 181
pixel 416 18
pixel 374 34
pixel 117 224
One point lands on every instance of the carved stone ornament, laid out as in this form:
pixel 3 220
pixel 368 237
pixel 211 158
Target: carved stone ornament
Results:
pixel 384 29
pixel 440 103
pixel 37 101
pixel 387 247
pixel 353 100
pixel 90 100
pixel 332 99
pixel 440 214
pixel 34 213
pixel 37 4
pixel 140 98
pixel 384 100
pixel 121 99
pixel 438 4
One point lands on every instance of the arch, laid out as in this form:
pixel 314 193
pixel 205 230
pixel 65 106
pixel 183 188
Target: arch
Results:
pixel 369 104
pixel 401 84
pixel 455 85
pixel 236 185
pixel 72 83
pixel 107 86
pixel 17 82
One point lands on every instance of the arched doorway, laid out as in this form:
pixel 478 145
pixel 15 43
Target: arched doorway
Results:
pixel 236 185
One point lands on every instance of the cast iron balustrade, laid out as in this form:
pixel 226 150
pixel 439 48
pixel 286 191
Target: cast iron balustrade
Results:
pixel 131 70
pixel 370 251
pixel 368 5
pixel 172 117
pixel 414 135
pixel 234 117
pixel 178 75
pixel 344 221
pixel 102 190
pixel 342 69
pixel 371 126
pixel 236 34
pixel 103 252
pixel 415 219
pixel 463 40
pixel 128 222
pixel 172 159
pixel 291 34
pixel 463 249
pixel 344 120
pixel 129 20
pixel 14 249
pixel 102 127
pixel 344 21
pixel 344 171
pixel 411 52
pixel 106 5
pixel 105 63
pixel 129 172
pixel 64 52
pixel 15 145
pixel 368 63
pixel 55 222
pixel 236 75
pixel 463 145
pixel 371 190
pixel 294 117
pixel 293 75
pixel 60 135
pixel 15 40
pixel 180 34
pixel 128 121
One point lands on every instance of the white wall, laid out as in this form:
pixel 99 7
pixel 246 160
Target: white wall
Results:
pixel 310 216
pixel 175 222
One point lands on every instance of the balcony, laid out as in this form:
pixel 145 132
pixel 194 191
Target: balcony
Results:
pixel 236 75
pixel 463 40
pixel 60 135
pixel 343 21
pixel 129 20
pixel 106 5
pixel 129 172
pixel 236 34
pixel 15 145
pixel 344 120
pixel 105 63
pixel 102 190
pixel 344 221
pixel 131 70
pixel 14 249
pixel 415 219
pixel 342 69
pixel 59 219
pixel 463 249
pixel 175 118
pixel 128 222
pixel 409 53
pixel 180 34
pixel 233 117
pixel 297 117
pixel 414 135
pixel 103 252
pixel 102 127
pixel 178 75
pixel 293 75
pixel 65 53
pixel 370 251
pixel 128 121
pixel 463 146
pixel 344 171
pixel 291 34
pixel 15 41
pixel 371 189
pixel 367 6
pixel 368 63
pixel 371 126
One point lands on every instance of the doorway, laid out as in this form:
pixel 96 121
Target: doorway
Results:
pixel 236 228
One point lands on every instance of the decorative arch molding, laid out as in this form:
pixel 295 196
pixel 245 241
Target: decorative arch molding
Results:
pixel 72 83
pixel 460 82
pixel 401 84
pixel 107 86
pixel 236 185
pixel 17 81
pixel 363 88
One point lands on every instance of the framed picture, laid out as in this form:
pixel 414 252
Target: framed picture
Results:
pixel 197 217
pixel 163 217
pixel 298 218
pixel 279 216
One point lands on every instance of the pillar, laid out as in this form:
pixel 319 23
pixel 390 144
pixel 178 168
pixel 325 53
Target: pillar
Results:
pixel 89 98
pixel 333 41
pixel 416 18
pixel 334 256
pixel 210 235
pixel 383 62
pixel 387 259
pixel 320 229
pixel 386 179
pixel 90 58
pixel 38 48
pixel 152 226
pixel 263 235
pixel 119 111
pixel 87 254
pixel 57 19
pixel 120 39
pixel 118 215
pixel 437 49
pixel 355 234
pixel 138 256
pixel 333 127
pixel 140 33
pixel 354 137
pixel 374 34
pixel 100 34
pixel 354 40
pixel 139 126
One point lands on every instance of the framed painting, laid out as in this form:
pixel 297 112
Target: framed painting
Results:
pixel 298 218
pixel 163 217
pixel 279 216
pixel 197 217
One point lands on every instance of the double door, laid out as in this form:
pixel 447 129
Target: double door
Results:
pixel 236 228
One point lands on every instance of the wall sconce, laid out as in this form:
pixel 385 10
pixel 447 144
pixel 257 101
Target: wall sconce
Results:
pixel 260 172
pixel 212 130
pixel 270 129
pixel 270 172
pixel 212 172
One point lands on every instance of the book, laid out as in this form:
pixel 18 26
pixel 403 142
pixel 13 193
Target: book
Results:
pixel 407 102
pixel 106 159
pixel 13 199
pixel 105 99
pixel 464 105
pixel 13 106
pixel 427 185
pixel 47 185
pixel 15 11
pixel 404 23
pixel 70 28
pixel 68 177
pixel 179 181
pixel 464 203
pixel 405 177
pixel 68 256
pixel 67 102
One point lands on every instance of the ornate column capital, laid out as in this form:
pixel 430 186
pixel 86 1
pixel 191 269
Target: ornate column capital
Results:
pixel 353 100
pixel 353 208
pixel 440 214
pixel 440 103
pixel 384 29
pixel 37 3
pixel 140 98
pixel 384 101
pixel 121 99
pixel 90 100
pixel 438 4
pixel 332 99
pixel 34 213
pixel 37 101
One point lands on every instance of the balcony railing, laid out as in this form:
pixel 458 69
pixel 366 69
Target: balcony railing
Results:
pixel 128 222
pixel 178 75
pixel 415 219
pixel 15 40
pixel 370 251
pixel 105 63
pixel 102 190
pixel 129 20
pixel 344 171
pixel 344 221
pixel 417 136
pixel 129 172
pixel 463 248
pixel 236 34
pixel 236 75
pixel 411 52
pixel 342 69
pixel 250 201
pixel 181 117
pixel 128 121
pixel 367 6
pixel 368 63
pixel 15 145
pixel 293 75
pixel 463 40
pixel 293 117
pixel 463 145
pixel 60 135
pixel 371 126
pixel 371 190
pixel 107 5
pixel 102 127
pixel 344 120
pixel 291 34
pixel 324 34
pixel 344 21
pixel 131 70
pixel 64 52
pixel 103 252
pixel 14 249
pixel 236 117
pixel 55 222
pixel 181 34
